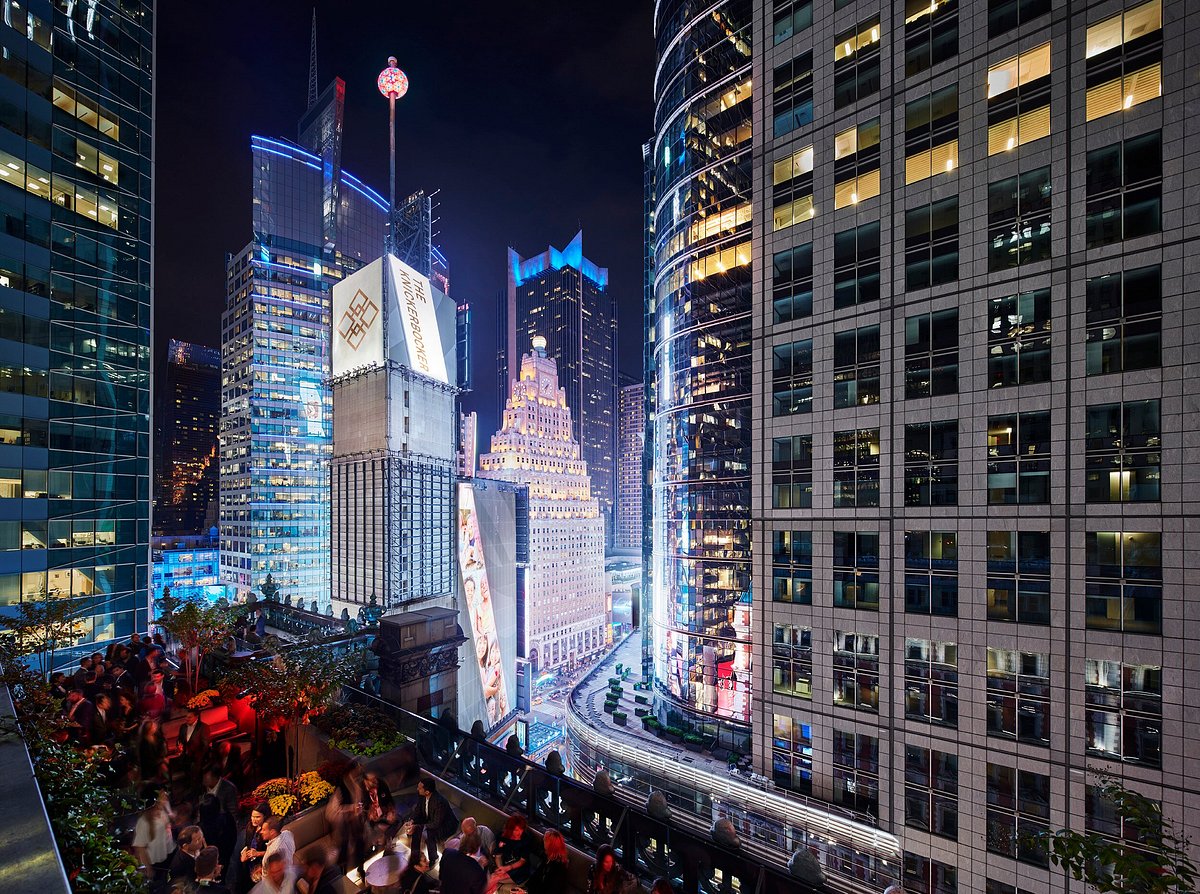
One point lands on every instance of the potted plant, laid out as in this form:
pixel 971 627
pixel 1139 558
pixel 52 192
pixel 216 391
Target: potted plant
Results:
pixel 619 717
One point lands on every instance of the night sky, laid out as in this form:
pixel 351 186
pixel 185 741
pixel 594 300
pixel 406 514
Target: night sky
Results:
pixel 528 116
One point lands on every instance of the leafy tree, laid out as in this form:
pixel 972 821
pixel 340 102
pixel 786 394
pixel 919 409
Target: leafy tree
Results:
pixel 38 630
pixel 290 687
pixel 198 627
pixel 269 589
pixel 1151 858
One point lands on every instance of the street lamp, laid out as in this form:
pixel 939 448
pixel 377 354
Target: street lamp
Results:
pixel 393 83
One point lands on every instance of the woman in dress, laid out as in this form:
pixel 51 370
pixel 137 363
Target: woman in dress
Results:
pixel 608 877
pixel 253 846
pixel 513 848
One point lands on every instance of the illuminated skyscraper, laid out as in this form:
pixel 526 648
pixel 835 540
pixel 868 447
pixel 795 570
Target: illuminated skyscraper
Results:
pixel 631 430
pixel 189 409
pixel 313 224
pixel 565 620
pixel 564 297
pixel 76 256
pixel 702 366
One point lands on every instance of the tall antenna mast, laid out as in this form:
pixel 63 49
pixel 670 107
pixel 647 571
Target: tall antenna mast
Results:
pixel 312 63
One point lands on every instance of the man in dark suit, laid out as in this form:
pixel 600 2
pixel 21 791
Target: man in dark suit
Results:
pixel 222 789
pixel 79 714
pixel 432 817
pixel 100 728
pixel 193 742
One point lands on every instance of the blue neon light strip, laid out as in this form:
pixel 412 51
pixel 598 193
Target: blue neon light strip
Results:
pixel 295 153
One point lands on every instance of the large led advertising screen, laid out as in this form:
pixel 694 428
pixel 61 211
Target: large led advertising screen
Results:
pixel 485 646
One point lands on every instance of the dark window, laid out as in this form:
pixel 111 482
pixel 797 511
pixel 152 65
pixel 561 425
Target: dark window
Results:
pixel 1124 459
pixel 931 244
pixel 1018 446
pixel 792 283
pixel 856 670
pixel 856 771
pixel 1019 339
pixel 792 18
pixel 931 120
pixel 1124 321
pixel 856 570
pixel 792 567
pixel 931 681
pixel 856 64
pixel 856 265
pixel 1123 711
pixel 792 98
pixel 931 791
pixel 792 382
pixel 923 875
pixel 856 468
pixel 931 354
pixel 930 34
pixel 1004 15
pixel 1018 582
pixel 1018 695
pixel 856 367
pixel 791 472
pixel 931 573
pixel 1124 190
pixel 792 661
pixel 1019 220
pixel 1101 816
pixel 1124 581
pixel 1018 813
pixel 931 463
pixel 792 754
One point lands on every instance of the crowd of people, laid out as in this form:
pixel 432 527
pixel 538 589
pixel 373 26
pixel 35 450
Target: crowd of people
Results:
pixel 191 835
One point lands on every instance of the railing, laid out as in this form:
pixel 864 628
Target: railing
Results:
pixel 854 854
pixel 646 846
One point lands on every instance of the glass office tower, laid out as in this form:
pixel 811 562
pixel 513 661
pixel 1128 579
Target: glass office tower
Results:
pixel 702 365
pixel 76 105
pixel 313 224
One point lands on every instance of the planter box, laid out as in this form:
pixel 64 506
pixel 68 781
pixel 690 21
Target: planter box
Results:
pixel 641 699
pixel 641 712
pixel 609 707
pixel 693 746
pixel 619 718
pixel 673 738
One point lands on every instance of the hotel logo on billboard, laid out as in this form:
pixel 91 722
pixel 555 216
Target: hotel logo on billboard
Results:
pixel 360 315
pixel 412 298
pixel 358 320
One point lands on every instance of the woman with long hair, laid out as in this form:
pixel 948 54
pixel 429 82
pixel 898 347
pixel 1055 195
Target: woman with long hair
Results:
pixel 551 876
pixel 253 847
pixel 607 876
pixel 151 750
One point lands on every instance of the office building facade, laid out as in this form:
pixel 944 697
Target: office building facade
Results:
pixel 395 448
pixel 564 298
pixel 971 499
pixel 565 615
pixel 188 413
pixel 313 224
pixel 76 139
pixel 700 164
pixel 631 438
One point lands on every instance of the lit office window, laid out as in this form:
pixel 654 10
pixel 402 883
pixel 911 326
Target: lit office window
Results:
pixel 1123 711
pixel 1124 452
pixel 1123 585
pixel 1018 695
pixel 1018 71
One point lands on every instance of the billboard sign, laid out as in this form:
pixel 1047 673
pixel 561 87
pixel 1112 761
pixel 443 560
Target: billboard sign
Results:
pixel 412 298
pixel 311 409
pixel 478 599
pixel 358 320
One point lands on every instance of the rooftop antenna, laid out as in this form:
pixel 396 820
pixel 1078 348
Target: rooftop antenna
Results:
pixel 312 63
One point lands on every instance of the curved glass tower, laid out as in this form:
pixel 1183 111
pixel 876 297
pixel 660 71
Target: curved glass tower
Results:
pixel 701 435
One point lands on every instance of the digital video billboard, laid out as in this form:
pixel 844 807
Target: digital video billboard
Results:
pixel 485 645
